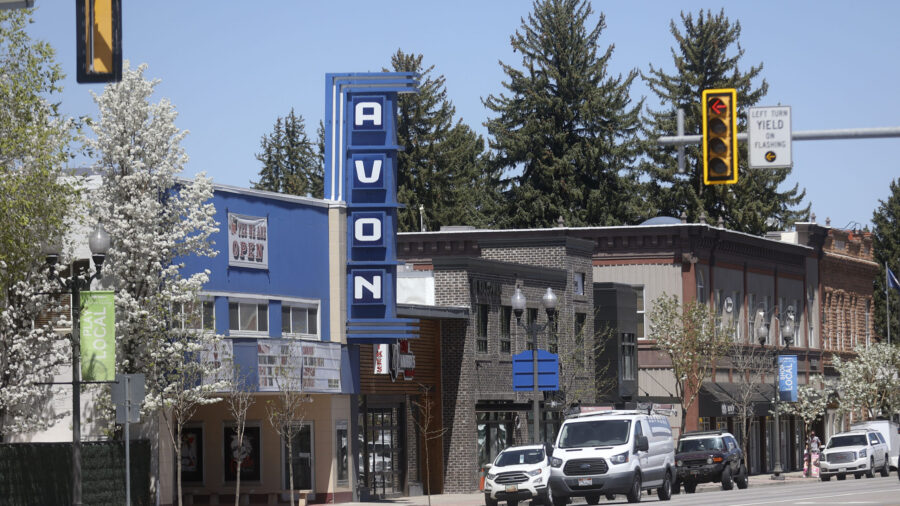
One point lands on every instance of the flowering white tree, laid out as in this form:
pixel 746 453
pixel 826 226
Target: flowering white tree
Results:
pixel 687 333
pixel 868 382
pixel 812 399
pixel 35 201
pixel 154 220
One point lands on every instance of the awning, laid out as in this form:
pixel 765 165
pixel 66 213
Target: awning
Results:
pixel 724 399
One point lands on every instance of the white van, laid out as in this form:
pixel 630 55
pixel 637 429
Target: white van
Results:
pixel 612 452
pixel 891 432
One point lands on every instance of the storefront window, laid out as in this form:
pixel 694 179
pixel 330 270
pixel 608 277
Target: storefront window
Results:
pixel 341 451
pixel 494 433
pixel 299 458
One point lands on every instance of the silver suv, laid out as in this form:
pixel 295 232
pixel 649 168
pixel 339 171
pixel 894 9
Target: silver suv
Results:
pixel 855 452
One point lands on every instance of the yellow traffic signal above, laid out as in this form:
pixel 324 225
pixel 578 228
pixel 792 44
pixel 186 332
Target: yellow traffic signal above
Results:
pixel 99 44
pixel 720 154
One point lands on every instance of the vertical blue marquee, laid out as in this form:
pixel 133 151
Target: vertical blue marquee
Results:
pixel 361 169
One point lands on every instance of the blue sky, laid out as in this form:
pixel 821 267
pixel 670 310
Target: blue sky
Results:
pixel 231 68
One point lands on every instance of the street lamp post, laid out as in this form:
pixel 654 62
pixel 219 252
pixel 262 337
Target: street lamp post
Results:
pixel 98 242
pixel 532 329
pixel 787 332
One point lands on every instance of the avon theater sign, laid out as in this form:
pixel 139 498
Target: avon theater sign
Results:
pixel 361 169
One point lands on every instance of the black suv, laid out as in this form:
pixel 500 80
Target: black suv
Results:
pixel 709 456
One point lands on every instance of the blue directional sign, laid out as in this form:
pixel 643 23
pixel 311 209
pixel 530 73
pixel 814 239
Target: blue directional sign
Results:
pixel 523 371
pixel 787 378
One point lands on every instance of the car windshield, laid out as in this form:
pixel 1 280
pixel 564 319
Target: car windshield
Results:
pixel 699 445
pixel 854 440
pixel 594 433
pixel 516 457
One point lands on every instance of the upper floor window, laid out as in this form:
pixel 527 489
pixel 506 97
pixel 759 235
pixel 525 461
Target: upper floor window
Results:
pixel 505 321
pixel 199 315
pixel 300 321
pixel 639 319
pixel 482 328
pixel 579 283
pixel 248 317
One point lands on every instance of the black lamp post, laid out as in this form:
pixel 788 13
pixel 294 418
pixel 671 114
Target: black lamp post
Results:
pixel 98 242
pixel 549 301
pixel 762 334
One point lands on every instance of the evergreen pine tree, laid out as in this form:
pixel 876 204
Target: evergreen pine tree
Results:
pixel 706 56
pixel 565 130
pixel 886 246
pixel 440 170
pixel 290 162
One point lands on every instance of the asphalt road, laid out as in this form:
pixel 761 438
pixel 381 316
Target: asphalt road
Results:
pixel 864 491
pixel 762 491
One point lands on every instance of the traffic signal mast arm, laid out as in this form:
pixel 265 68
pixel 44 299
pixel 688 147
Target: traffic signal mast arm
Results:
pixel 803 135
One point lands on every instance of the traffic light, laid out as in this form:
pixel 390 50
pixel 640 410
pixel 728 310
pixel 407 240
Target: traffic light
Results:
pixel 99 40
pixel 720 154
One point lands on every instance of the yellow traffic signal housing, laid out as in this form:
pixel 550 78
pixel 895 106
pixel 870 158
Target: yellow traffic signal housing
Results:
pixel 99 44
pixel 720 153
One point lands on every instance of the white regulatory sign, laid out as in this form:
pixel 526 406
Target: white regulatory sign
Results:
pixel 769 137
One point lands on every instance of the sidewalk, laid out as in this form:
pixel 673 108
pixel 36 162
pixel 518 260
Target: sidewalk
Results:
pixel 477 498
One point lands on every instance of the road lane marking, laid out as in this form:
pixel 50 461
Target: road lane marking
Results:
pixel 796 499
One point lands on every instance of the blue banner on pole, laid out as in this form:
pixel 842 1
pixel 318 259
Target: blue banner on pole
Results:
pixel 787 378
pixel 523 371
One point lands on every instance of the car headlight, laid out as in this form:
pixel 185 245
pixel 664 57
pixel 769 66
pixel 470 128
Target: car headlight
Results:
pixel 491 476
pixel 620 458
pixel 555 462
pixel 862 453
pixel 534 472
pixel 679 463
pixel 823 457
pixel 709 460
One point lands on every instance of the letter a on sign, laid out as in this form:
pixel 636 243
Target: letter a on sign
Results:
pixel 367 111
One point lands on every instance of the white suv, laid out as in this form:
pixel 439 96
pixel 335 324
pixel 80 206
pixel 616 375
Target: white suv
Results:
pixel 519 473
pixel 612 452
pixel 855 452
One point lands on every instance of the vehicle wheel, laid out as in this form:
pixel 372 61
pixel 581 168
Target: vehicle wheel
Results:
pixel 824 477
pixel 727 482
pixel 690 487
pixel 741 480
pixel 592 499
pixel 560 501
pixel 841 477
pixel 610 497
pixel 871 472
pixel 512 503
pixel 665 490
pixel 857 476
pixel 634 495
pixel 886 468
pixel 488 501
pixel 548 499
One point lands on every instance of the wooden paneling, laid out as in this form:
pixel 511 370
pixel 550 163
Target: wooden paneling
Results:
pixel 426 348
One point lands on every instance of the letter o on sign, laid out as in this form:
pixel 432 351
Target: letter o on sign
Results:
pixel 364 233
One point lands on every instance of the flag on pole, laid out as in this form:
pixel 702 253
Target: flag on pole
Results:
pixel 892 280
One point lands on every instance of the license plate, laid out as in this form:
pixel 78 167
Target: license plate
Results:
pixel 511 488
pixel 585 482
pixel 843 469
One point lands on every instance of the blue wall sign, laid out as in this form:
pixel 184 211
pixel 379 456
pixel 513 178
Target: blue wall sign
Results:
pixel 523 371
pixel 361 169
pixel 787 378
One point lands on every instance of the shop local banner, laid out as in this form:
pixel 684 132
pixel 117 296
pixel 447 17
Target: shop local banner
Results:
pixel 787 378
pixel 98 336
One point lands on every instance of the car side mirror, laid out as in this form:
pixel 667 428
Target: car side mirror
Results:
pixel 641 443
pixel 487 467
pixel 548 449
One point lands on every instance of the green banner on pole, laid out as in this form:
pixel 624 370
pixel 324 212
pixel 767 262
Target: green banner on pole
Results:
pixel 98 336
